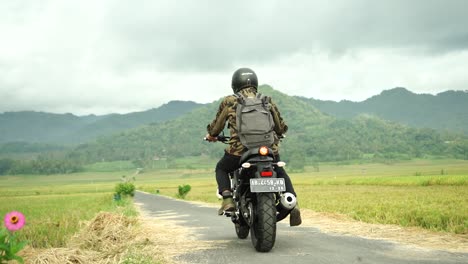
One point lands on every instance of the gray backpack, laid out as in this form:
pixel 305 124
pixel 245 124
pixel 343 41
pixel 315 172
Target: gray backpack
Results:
pixel 254 121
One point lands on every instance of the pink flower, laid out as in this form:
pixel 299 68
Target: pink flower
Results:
pixel 14 221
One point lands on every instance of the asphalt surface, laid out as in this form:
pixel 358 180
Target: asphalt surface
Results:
pixel 293 244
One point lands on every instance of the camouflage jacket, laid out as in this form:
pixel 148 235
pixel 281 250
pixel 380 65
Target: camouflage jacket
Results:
pixel 227 112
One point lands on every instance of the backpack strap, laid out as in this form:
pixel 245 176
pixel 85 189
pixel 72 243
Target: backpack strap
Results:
pixel 265 100
pixel 240 98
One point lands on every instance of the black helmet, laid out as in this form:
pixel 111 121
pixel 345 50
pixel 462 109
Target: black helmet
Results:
pixel 243 78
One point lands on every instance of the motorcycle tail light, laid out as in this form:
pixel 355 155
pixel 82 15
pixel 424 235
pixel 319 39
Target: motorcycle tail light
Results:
pixel 266 173
pixel 263 151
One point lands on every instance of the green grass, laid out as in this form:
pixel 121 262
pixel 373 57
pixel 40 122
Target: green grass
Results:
pixel 438 208
pixel 451 180
pixel 56 205
pixel 123 165
pixel 86 182
pixel 432 194
pixel 52 219
pixel 202 162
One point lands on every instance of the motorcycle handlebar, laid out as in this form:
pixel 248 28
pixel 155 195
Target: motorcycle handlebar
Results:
pixel 225 139
pixel 221 138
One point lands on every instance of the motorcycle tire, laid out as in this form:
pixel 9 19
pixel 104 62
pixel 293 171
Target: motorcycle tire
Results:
pixel 263 229
pixel 242 230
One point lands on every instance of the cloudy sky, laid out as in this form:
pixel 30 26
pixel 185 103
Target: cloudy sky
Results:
pixel 115 56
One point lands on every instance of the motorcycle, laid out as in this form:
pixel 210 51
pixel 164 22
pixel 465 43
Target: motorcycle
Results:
pixel 260 196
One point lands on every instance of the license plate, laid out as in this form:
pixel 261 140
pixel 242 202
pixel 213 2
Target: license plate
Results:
pixel 267 185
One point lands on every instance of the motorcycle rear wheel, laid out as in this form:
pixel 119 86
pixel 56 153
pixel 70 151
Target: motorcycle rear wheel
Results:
pixel 263 229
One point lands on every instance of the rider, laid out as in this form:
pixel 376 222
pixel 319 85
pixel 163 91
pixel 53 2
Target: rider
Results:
pixel 244 81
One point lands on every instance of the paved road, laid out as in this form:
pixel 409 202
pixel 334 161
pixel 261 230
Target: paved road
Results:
pixel 293 244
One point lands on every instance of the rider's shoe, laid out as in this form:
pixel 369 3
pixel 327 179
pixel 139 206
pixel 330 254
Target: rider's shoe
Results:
pixel 227 205
pixel 295 217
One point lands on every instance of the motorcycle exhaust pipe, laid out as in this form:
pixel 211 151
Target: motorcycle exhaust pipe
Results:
pixel 288 201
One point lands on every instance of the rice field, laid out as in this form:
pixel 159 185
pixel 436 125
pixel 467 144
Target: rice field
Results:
pixel 437 208
pixel 55 206
pixel 51 219
pixel 431 194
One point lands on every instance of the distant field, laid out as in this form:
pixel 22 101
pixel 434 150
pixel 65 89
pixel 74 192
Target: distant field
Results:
pixel 432 194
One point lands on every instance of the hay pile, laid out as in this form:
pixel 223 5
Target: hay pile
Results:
pixel 62 255
pixel 108 233
pixel 115 238
pixel 108 238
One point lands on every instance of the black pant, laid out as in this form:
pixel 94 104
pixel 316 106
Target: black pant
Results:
pixel 229 163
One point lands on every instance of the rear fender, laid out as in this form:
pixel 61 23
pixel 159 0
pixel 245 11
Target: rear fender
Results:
pixel 264 167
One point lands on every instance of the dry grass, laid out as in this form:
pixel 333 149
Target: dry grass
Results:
pixel 58 255
pixel 108 238
pixel 409 236
pixel 108 233
pixel 435 208
pixel 116 238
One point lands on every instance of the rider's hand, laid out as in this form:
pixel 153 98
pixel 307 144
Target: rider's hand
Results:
pixel 210 138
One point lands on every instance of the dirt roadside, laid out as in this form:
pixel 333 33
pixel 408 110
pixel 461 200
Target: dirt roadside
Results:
pixel 112 238
pixel 335 224
pixel 169 236
pixel 408 236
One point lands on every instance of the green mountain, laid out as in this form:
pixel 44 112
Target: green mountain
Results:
pixel 39 127
pixel 444 111
pixel 312 134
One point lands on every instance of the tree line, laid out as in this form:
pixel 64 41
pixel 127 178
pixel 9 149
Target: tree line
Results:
pixel 39 166
pixel 324 140
pixel 312 137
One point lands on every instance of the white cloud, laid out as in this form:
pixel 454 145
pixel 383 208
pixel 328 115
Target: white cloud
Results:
pixel 363 73
pixel 117 56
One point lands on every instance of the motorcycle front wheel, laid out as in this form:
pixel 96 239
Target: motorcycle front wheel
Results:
pixel 263 229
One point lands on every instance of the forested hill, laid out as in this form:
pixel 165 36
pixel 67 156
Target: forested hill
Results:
pixel 444 111
pixel 311 135
pixel 29 126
